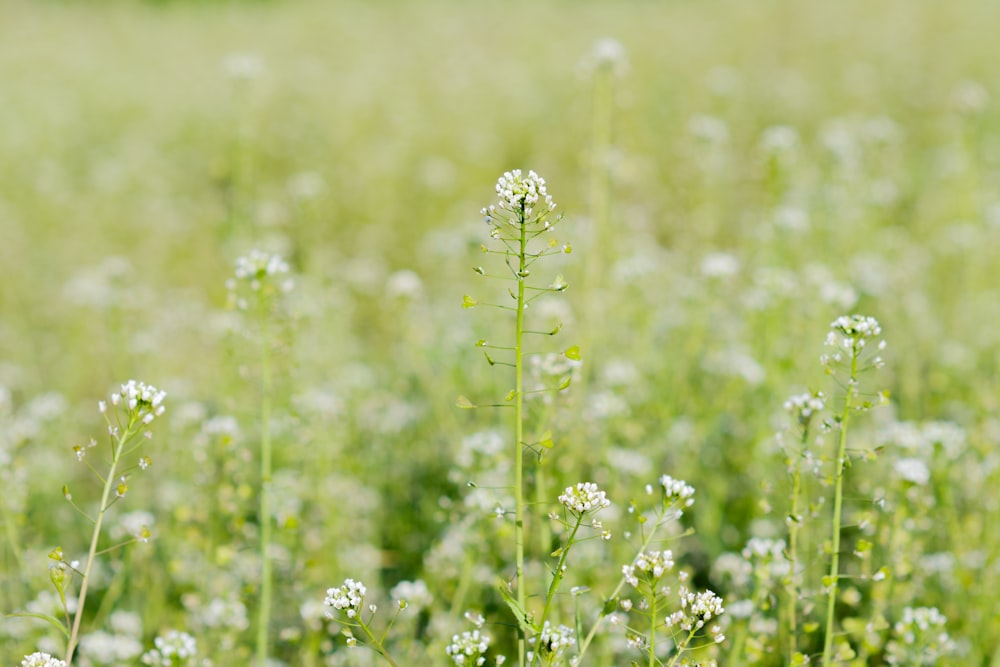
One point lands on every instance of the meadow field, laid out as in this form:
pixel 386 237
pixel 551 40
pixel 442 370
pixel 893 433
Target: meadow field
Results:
pixel 729 396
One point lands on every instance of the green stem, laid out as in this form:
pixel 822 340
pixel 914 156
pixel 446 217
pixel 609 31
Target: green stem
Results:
pixel 621 584
pixel 793 545
pixel 377 644
pixel 264 615
pixel 838 502
pixel 652 625
pixel 557 578
pixel 109 483
pixel 519 436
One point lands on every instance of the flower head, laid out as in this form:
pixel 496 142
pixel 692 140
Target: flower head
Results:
pixel 262 274
pixel 584 497
pixel 348 598
pixel 141 401
pixel 39 659
pixel 518 196
pixel 468 648
pixel 651 565
pixel 677 490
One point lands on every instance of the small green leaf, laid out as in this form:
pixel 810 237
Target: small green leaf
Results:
pixel 810 627
pixel 510 395
pixel 468 302
pixel 828 581
pixel 546 440
pixel 464 403
pixel 44 617
pixel 609 606
pixel 564 384
pixel 522 618
pixel 557 553
pixel 572 353
pixel 489 359
pixel 863 546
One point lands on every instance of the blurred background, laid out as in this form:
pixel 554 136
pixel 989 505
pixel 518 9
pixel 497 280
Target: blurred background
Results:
pixel 734 176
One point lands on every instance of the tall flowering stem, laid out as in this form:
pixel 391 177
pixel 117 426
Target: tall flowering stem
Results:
pixel 581 501
pixel 259 280
pixel 519 217
pixel 132 408
pixel 347 607
pixel 849 338
pixel 804 407
pixel 676 495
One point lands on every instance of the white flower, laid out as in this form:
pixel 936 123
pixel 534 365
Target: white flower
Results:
pixel 677 490
pixel 143 401
pixel 348 598
pixel 41 660
pixel 584 497
pixel 519 194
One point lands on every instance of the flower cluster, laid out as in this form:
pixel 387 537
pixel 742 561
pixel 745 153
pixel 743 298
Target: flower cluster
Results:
pixel 696 610
pixel 469 648
pixel 348 598
pixel 261 272
pixel 652 564
pixel 584 497
pixel 143 402
pixel 519 195
pixel 851 334
pixel 41 660
pixel 677 490
pixel 553 641
pixel 171 648
pixel 805 406
pixel 919 638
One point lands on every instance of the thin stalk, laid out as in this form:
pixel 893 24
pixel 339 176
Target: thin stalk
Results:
pixel 557 577
pixel 838 503
pixel 519 436
pixel 264 613
pixel 793 545
pixel 621 584
pixel 652 626
pixel 109 482
pixel 377 644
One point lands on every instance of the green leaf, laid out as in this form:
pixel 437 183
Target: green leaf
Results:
pixel 510 395
pixel 464 403
pixel 557 552
pixel 564 384
pixel 546 440
pixel 810 627
pixel 828 581
pixel 609 606
pixel 519 613
pixel 863 546
pixel 572 353
pixel 45 617
pixel 468 302
pixel 490 359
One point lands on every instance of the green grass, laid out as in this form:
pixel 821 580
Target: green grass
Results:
pixel 122 136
